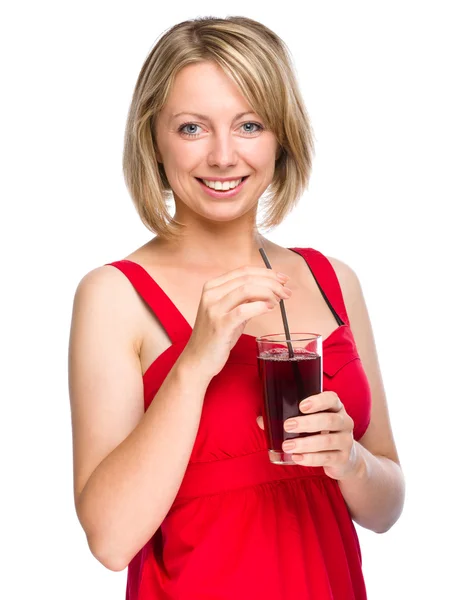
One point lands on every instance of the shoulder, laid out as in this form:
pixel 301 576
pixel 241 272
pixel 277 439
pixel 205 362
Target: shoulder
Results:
pixel 354 301
pixel 105 297
pixel 349 283
pixel 346 276
pixel 344 272
pixel 101 278
pixel 104 284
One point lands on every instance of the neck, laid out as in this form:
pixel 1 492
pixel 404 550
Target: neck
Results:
pixel 206 244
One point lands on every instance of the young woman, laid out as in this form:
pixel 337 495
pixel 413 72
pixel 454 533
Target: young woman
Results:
pixel 171 470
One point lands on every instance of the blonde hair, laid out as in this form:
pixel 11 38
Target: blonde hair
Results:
pixel 258 61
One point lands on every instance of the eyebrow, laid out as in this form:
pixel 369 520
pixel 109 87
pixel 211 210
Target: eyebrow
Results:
pixel 205 118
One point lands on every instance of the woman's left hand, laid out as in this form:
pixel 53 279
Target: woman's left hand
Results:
pixel 334 447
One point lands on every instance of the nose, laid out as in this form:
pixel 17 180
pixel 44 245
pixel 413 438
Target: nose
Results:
pixel 223 152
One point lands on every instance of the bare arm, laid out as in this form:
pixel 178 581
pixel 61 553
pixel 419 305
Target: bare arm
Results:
pixel 128 466
pixel 375 494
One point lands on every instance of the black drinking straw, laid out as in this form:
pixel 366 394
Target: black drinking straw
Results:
pixel 283 310
pixel 297 374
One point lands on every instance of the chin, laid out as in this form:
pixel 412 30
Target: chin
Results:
pixel 222 213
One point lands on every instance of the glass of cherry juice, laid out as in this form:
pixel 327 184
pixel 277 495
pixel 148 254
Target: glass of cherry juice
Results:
pixel 290 369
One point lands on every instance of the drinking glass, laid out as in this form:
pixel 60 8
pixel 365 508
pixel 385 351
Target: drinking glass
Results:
pixel 290 369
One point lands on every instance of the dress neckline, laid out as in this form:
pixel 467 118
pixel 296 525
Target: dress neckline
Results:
pixel 186 329
pixel 184 326
pixel 245 338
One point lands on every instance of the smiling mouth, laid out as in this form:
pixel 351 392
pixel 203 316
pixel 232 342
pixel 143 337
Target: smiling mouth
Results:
pixel 241 181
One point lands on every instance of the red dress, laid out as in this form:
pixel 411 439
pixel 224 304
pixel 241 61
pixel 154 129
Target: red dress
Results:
pixel 240 526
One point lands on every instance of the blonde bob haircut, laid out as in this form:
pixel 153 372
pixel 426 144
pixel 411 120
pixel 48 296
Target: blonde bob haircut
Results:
pixel 258 61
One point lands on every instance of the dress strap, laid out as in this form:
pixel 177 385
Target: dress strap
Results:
pixel 164 309
pixel 326 279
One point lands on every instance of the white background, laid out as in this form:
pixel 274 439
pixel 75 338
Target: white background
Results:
pixel 390 88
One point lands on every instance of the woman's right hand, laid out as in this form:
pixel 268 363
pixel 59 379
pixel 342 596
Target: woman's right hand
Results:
pixel 227 304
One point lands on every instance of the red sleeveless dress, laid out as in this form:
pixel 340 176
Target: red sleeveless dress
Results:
pixel 240 526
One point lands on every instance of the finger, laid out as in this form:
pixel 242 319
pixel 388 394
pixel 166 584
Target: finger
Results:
pixel 245 271
pixel 317 459
pixel 260 422
pixel 317 422
pixel 272 292
pixel 244 312
pixel 329 401
pixel 317 443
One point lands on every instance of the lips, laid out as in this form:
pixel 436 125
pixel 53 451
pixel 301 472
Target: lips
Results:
pixel 242 179
pixel 222 195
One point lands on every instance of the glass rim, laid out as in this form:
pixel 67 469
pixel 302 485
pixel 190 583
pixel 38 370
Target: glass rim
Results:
pixel 268 337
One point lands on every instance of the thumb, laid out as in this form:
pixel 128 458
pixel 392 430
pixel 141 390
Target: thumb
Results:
pixel 260 422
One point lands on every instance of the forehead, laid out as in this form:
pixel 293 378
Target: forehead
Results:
pixel 205 90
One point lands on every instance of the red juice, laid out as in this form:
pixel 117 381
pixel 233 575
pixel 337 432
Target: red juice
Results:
pixel 282 390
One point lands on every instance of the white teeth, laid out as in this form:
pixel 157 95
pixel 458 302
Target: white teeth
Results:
pixel 225 185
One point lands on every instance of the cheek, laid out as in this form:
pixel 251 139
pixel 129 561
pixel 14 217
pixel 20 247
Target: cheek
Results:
pixel 180 163
pixel 265 165
pixel 261 154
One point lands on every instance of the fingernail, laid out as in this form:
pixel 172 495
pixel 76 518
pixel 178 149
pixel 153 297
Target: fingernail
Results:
pixel 305 405
pixel 282 277
pixel 287 446
pixel 290 425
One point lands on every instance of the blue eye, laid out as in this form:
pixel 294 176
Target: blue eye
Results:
pixel 181 129
pixel 192 135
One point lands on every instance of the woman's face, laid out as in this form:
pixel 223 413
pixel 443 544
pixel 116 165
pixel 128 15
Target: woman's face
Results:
pixel 219 143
